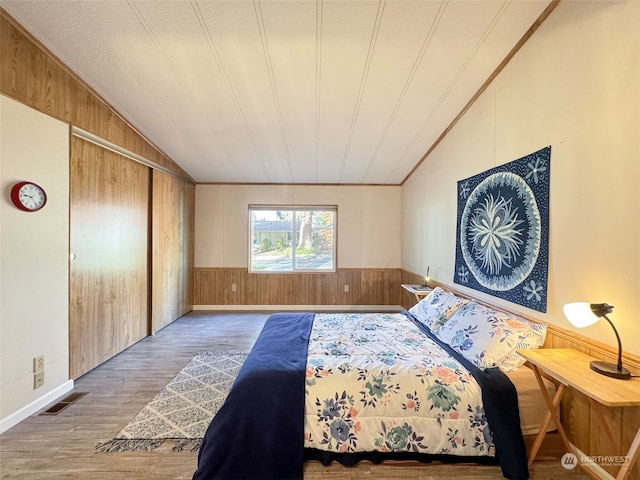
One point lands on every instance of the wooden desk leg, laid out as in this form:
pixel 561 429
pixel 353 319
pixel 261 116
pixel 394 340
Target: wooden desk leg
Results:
pixel 632 456
pixel 552 407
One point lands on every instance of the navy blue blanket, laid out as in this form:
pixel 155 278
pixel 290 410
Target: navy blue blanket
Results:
pixel 267 402
pixel 259 431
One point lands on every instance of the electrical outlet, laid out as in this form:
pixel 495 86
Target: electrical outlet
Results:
pixel 233 287
pixel 38 379
pixel 346 288
pixel 38 363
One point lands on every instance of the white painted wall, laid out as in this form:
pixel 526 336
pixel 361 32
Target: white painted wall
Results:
pixel 34 253
pixel 369 221
pixel 575 85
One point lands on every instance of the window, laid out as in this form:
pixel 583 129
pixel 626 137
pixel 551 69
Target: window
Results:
pixel 292 239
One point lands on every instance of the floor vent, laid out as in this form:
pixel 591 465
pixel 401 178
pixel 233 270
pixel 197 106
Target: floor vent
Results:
pixel 62 404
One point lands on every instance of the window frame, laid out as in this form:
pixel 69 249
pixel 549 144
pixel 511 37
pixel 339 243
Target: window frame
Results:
pixel 294 228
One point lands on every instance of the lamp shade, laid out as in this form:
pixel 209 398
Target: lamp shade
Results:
pixel 583 314
pixel 580 314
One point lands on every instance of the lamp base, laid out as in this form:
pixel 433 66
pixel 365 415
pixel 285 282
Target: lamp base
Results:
pixel 610 370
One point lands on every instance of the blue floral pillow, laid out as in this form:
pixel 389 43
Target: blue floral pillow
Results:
pixel 490 338
pixel 437 308
pixel 528 339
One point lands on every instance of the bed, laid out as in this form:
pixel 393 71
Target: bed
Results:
pixel 440 382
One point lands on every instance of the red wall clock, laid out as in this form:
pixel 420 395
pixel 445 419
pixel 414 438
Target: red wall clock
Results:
pixel 28 196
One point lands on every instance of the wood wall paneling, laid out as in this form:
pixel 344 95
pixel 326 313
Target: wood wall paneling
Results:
pixel 189 255
pixel 30 74
pixel 607 422
pixel 213 286
pixel 575 411
pixel 172 230
pixel 108 277
pixel 34 76
pixel 630 417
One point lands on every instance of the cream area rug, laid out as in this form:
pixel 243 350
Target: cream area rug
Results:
pixel 182 411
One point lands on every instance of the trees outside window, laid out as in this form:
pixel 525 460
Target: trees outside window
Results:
pixel 290 239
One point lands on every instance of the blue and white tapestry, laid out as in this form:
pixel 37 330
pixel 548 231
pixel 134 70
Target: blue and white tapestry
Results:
pixel 502 245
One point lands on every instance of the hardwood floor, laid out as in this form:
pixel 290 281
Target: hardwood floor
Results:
pixel 63 446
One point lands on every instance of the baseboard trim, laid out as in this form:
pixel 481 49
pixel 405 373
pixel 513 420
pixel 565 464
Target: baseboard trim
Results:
pixel 38 404
pixel 304 308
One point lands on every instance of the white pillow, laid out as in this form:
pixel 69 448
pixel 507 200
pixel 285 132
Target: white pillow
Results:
pixel 490 338
pixel 437 308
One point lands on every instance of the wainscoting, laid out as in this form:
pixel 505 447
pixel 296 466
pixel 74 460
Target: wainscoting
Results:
pixel 235 286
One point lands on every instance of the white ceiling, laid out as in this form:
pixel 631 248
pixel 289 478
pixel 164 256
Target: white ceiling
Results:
pixel 338 92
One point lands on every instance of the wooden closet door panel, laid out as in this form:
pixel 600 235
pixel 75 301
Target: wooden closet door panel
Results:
pixel 172 249
pixel 108 277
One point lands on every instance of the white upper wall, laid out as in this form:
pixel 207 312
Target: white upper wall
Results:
pixel 575 85
pixel 368 228
pixel 34 261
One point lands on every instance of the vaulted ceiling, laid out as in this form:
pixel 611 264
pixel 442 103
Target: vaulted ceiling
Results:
pixel 332 92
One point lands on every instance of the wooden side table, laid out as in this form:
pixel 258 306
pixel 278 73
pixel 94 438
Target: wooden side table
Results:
pixel 419 291
pixel 571 369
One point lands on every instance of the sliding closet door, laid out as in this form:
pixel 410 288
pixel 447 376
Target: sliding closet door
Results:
pixel 172 234
pixel 109 249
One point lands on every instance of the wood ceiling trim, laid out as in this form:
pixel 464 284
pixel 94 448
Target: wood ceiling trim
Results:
pixel 458 75
pixel 308 184
pixel 416 64
pixel 543 16
pixel 362 108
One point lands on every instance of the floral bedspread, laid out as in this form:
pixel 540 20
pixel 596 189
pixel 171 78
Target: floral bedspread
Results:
pixel 375 382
